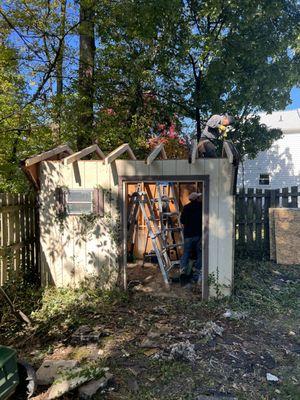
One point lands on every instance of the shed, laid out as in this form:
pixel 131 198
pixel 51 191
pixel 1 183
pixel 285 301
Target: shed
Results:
pixel 83 211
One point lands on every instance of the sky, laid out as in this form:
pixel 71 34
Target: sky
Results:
pixel 295 97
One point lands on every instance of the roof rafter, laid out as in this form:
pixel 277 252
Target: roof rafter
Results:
pixel 84 152
pixel 154 154
pixel 59 150
pixel 118 152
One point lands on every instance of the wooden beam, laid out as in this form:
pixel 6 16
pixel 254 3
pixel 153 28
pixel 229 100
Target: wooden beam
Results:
pixel 82 153
pixel 153 155
pixel 118 152
pixel 194 151
pixel 47 154
pixel 229 150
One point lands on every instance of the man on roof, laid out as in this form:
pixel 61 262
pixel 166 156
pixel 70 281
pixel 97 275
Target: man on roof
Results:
pixel 215 128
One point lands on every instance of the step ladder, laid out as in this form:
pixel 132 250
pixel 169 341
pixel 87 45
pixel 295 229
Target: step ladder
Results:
pixel 169 220
pixel 155 235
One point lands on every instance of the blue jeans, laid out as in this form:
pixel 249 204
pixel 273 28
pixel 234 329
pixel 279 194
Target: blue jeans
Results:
pixel 190 244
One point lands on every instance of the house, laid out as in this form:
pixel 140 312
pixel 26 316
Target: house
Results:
pixel 83 207
pixel 278 166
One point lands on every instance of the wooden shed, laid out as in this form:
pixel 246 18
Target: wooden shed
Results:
pixel 83 211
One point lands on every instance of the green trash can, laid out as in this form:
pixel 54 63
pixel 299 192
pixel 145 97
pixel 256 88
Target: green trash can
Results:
pixel 9 377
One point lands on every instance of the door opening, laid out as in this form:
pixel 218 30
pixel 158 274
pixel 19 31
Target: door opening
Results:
pixel 141 264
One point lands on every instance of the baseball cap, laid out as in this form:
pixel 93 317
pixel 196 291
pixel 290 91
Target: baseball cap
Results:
pixel 194 196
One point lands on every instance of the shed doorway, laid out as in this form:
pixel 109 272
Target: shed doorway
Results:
pixel 141 266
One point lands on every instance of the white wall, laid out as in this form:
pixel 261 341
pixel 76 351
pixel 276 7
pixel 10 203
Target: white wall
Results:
pixel 68 255
pixel 282 160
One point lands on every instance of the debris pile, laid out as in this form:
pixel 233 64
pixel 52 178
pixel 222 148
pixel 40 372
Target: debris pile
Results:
pixel 181 351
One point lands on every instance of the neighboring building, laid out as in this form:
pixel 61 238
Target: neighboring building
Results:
pixel 279 166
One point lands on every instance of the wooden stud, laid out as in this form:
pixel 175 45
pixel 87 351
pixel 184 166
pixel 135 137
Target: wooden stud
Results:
pixel 82 153
pixel 154 154
pixel 194 151
pixel 118 152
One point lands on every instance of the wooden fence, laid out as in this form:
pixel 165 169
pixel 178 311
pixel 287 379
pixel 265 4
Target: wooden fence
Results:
pixel 252 218
pixel 18 236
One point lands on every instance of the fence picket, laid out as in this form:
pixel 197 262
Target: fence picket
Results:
pixel 252 217
pixel 294 196
pixel 285 197
pixel 17 235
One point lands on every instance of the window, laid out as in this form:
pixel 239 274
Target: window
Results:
pixel 264 179
pixel 79 201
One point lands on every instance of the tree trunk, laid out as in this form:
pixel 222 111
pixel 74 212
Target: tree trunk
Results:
pixel 59 64
pixel 198 123
pixel 197 109
pixel 86 74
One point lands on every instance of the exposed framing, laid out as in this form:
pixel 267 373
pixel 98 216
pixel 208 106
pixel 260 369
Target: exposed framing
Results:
pixel 82 153
pixel 154 154
pixel 124 148
pixel 48 154
pixel 194 151
pixel 30 166
pixel 172 178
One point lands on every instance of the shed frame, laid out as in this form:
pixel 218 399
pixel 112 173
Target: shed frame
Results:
pixel 51 170
pixel 171 178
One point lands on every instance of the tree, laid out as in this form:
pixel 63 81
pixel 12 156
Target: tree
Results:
pixel 239 56
pixel 86 72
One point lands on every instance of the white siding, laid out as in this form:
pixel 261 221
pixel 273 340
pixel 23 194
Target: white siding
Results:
pixel 282 160
pixel 70 253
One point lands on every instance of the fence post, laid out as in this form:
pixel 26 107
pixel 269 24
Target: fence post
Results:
pixel 241 215
pixel 250 215
pixel 258 217
pixel 294 196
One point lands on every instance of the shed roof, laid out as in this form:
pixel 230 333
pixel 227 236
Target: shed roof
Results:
pixel 66 155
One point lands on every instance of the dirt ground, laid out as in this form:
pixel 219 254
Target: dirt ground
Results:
pixel 177 346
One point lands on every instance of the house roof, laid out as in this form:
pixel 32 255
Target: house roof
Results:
pixel 287 121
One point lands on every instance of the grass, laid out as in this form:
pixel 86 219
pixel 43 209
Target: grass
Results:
pixel 235 363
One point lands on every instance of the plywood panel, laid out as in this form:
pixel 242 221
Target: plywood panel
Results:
pixel 141 168
pixel 50 233
pixel 126 167
pixel 156 168
pixel 211 168
pixel 183 167
pixel 78 174
pixel 169 167
pixel 287 235
pixel 90 174
pixel 225 226
pixel 198 167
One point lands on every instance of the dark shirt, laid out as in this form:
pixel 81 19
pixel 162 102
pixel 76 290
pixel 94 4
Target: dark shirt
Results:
pixel 191 218
pixel 211 130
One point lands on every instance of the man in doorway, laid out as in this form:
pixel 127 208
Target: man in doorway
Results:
pixel 215 128
pixel 191 218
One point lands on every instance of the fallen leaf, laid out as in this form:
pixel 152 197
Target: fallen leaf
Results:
pixel 150 352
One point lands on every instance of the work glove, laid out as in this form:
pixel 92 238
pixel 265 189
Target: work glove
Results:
pixel 222 128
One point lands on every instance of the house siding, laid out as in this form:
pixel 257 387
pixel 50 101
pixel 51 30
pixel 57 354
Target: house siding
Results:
pixel 281 161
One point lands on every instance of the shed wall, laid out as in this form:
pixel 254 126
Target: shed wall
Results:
pixel 72 251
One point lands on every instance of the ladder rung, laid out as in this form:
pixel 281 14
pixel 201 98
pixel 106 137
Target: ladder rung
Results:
pixel 171 213
pixel 177 262
pixel 163 198
pixel 173 229
pixel 174 245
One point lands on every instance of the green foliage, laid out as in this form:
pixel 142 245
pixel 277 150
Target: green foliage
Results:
pixel 156 63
